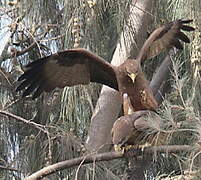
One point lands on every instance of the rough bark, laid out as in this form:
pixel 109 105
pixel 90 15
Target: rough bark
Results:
pixel 92 158
pixel 159 84
pixel 109 102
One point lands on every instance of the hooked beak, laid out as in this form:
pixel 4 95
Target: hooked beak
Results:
pixel 132 76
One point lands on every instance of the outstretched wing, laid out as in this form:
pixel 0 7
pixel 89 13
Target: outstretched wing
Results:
pixel 165 37
pixel 66 68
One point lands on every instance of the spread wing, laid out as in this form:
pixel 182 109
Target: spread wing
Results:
pixel 165 37
pixel 66 68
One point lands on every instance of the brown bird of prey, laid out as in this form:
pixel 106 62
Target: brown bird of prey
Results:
pixel 137 129
pixel 79 66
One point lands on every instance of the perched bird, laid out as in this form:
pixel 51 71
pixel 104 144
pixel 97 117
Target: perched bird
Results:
pixel 79 66
pixel 137 129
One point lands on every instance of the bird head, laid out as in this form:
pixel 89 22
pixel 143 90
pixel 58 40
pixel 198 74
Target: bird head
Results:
pixel 132 67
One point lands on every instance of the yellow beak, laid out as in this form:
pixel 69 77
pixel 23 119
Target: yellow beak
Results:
pixel 132 76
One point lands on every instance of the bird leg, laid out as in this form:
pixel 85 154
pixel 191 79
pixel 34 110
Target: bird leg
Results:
pixel 133 150
pixel 125 149
pixel 130 147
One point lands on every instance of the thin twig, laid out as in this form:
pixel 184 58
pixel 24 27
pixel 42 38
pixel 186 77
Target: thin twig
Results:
pixel 5 76
pixel 134 5
pixel 31 123
pixel 9 168
pixel 90 158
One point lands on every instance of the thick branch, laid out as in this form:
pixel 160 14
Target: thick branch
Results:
pixel 91 158
pixel 161 73
pixel 159 80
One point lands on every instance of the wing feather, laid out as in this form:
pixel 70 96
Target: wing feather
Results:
pixel 187 28
pixel 177 44
pixel 66 68
pixel 31 87
pixel 165 37
pixel 183 37
pixel 38 91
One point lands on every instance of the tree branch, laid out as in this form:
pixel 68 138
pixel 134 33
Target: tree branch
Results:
pixel 93 157
pixel 31 123
pixel 162 73
pixel 9 168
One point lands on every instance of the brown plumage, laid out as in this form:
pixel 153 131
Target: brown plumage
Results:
pixel 79 66
pixel 138 128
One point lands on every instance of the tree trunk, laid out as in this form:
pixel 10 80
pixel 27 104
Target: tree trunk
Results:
pixel 109 103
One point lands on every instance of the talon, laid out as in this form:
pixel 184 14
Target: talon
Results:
pixel 144 146
pixel 132 147
pixel 123 150
pixel 118 148
pixel 128 147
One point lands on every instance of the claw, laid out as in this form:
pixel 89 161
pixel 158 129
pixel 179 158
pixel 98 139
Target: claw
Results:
pixel 131 147
pixel 144 146
pixel 124 150
pixel 118 148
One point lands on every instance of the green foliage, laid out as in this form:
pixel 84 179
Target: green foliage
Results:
pixel 43 27
pixel 96 25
